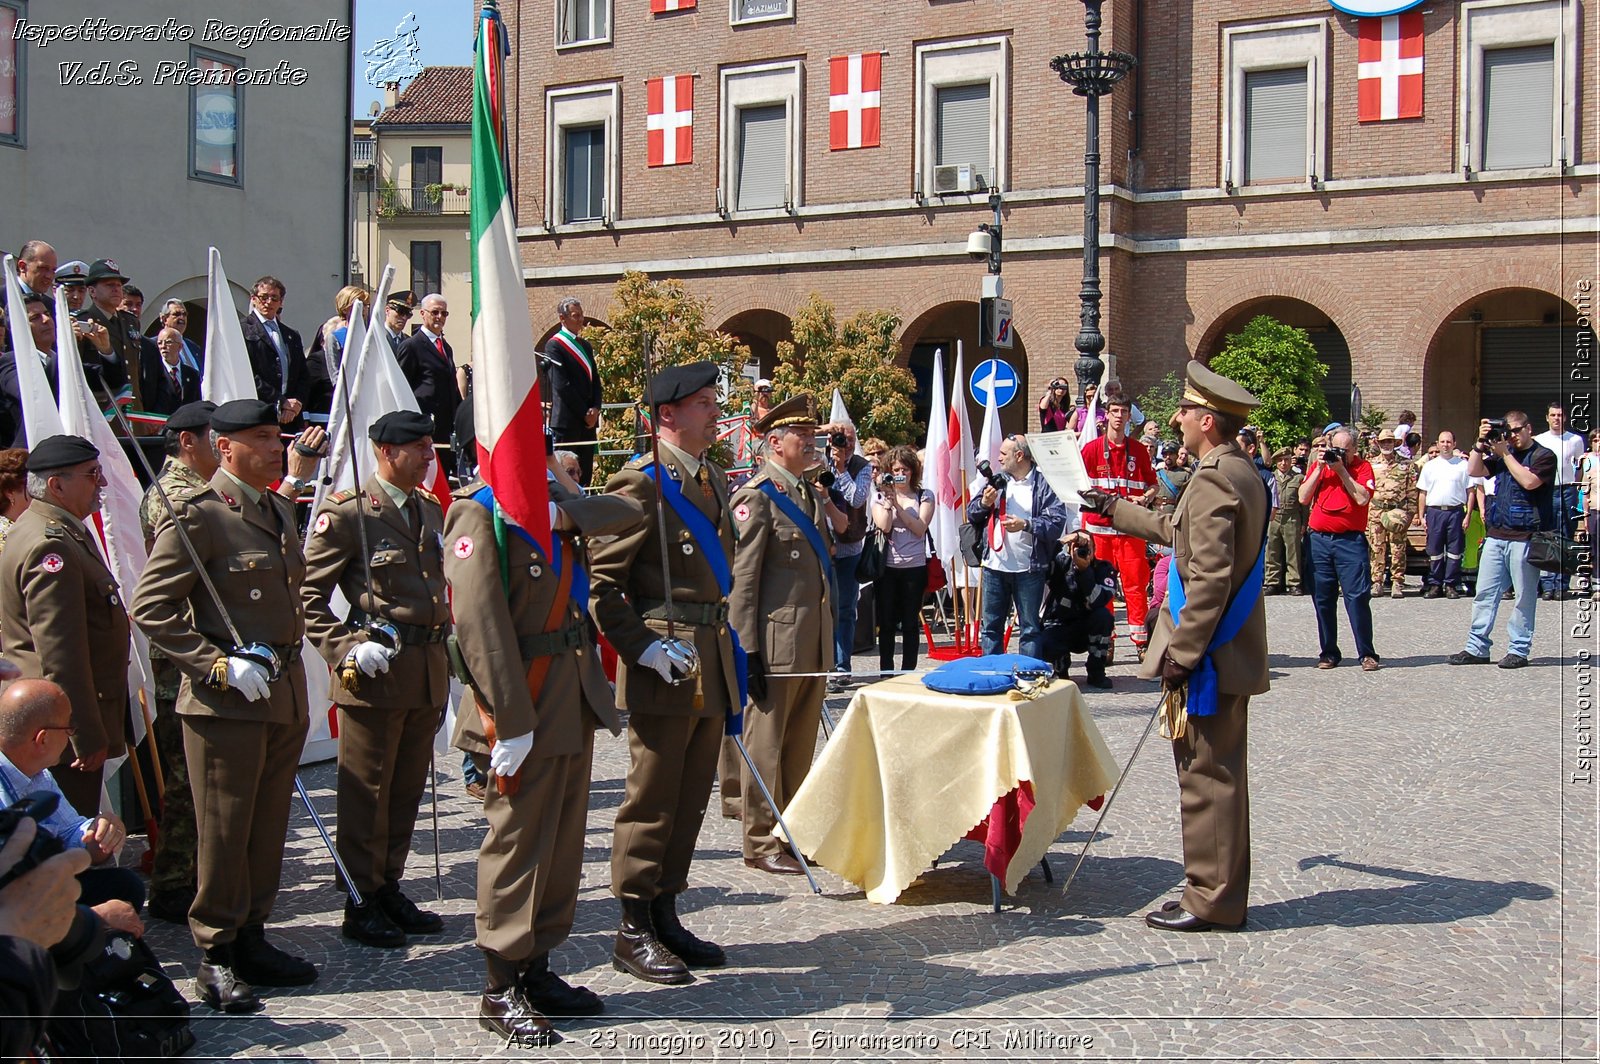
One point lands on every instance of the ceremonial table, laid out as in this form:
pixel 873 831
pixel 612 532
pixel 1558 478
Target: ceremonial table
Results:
pixel 910 771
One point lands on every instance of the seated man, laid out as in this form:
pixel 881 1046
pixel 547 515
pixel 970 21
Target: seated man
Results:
pixel 35 724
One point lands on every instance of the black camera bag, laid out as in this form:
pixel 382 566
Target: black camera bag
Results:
pixel 125 1008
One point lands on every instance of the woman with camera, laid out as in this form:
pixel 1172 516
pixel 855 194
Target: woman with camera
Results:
pixel 1055 407
pixel 901 511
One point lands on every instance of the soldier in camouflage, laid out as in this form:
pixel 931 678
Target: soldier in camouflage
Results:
pixel 1286 529
pixel 1394 507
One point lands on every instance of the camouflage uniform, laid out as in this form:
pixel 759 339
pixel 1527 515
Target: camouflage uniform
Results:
pixel 1285 533
pixel 1394 488
pixel 172 874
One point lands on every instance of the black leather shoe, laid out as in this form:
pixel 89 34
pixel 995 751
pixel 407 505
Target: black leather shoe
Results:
pixel 694 951
pixel 554 996
pixel 404 914
pixel 369 925
pixel 1179 919
pixel 640 953
pixel 219 986
pixel 171 906
pixel 1099 680
pixel 1462 657
pixel 508 1014
pixel 260 963
pixel 778 864
pixel 1513 661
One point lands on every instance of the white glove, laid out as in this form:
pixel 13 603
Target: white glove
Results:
pixel 507 755
pixel 249 678
pixel 371 657
pixel 657 657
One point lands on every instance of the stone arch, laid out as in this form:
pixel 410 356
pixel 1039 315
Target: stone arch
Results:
pixel 760 329
pixel 1333 346
pixel 756 293
pixel 192 291
pixel 588 320
pixel 942 325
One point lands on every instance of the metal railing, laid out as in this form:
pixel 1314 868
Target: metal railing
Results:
pixel 395 202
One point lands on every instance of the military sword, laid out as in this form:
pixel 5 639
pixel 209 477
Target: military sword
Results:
pixel 679 651
pixel 1106 808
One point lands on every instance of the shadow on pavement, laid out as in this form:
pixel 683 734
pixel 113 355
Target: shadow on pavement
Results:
pixel 1426 899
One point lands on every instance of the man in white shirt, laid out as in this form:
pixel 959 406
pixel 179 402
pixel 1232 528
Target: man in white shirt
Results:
pixel 1021 528
pixel 1568 448
pixel 1442 489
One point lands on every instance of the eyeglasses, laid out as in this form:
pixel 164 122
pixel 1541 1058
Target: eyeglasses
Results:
pixel 271 297
pixel 70 729
pixel 436 313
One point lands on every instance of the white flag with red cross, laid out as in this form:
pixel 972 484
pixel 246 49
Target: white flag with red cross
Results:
pixel 1390 53
pixel 855 84
pixel 670 137
pixel 662 7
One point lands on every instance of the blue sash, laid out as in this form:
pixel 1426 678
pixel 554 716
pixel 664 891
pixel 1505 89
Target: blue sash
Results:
pixel 787 507
pixel 703 532
pixel 1203 681
pixel 579 593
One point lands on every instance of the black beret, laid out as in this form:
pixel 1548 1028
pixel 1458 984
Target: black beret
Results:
pixel 680 382
pixel 400 426
pixel 241 414
pixel 59 452
pixel 191 417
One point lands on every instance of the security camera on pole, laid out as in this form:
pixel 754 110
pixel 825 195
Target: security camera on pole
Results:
pixel 994 314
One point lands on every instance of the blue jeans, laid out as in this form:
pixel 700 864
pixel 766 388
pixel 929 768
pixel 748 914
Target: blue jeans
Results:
pixel 470 773
pixel 846 600
pixel 1000 592
pixel 1503 563
pixel 1341 562
pixel 1564 507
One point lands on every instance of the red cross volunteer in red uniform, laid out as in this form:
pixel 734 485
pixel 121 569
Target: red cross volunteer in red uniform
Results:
pixel 1121 467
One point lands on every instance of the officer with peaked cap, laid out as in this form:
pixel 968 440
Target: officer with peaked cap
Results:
pixel 675 720
pixel 244 720
pixel 1217 655
pixel 61 613
pixel 779 606
pixel 383 548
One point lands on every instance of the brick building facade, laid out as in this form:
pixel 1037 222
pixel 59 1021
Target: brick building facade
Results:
pixel 1440 261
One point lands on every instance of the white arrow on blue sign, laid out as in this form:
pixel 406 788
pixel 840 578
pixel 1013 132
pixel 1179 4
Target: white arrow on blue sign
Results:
pixel 1371 8
pixel 996 374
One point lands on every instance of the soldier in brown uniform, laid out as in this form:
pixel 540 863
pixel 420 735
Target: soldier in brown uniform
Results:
pixel 534 675
pixel 389 697
pixel 675 727
pixel 779 607
pixel 1216 538
pixel 243 727
pixel 1394 507
pixel 60 612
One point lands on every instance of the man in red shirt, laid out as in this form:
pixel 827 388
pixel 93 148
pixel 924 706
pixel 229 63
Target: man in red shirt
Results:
pixel 1338 489
pixel 1121 467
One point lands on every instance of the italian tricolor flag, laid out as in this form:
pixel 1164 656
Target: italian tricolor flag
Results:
pixel 506 404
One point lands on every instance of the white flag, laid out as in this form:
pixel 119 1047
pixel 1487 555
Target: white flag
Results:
pixel 40 419
pixel 228 375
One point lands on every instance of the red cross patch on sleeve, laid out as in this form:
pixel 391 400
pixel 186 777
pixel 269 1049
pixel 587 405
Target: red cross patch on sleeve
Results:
pixel 51 563
pixel 463 547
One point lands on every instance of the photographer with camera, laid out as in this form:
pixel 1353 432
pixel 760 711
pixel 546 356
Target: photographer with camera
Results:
pixel 1077 608
pixel 1519 506
pixel 1338 489
pixel 901 510
pixel 850 492
pixel 1021 519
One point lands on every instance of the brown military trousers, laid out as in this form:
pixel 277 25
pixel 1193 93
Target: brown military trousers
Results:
pixel 781 735
pixel 383 770
pixel 671 762
pixel 1214 795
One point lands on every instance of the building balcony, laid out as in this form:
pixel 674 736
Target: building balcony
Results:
pixel 363 150
pixel 423 201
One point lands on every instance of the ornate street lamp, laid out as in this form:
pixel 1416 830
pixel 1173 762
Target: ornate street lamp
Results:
pixel 1092 74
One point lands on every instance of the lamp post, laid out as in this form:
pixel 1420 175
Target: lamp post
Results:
pixel 1092 74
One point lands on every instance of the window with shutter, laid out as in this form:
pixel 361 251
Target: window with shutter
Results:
pixel 1275 125
pixel 583 21
pixel 585 185
pixel 763 157
pixel 426 273
pixel 961 128
pixel 13 82
pixel 1518 107
pixel 427 168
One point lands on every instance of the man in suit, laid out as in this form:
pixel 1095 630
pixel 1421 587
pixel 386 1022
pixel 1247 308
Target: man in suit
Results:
pixel 175 315
pixel 389 694
pixel 120 370
pixel 62 616
pixel 779 607
pixel 169 381
pixel 429 364
pixel 533 671
pixel 41 326
pixel 243 708
pixel 575 386
pixel 277 357
pixel 1217 656
pixel 675 721
pixel 36 268
pixel 396 312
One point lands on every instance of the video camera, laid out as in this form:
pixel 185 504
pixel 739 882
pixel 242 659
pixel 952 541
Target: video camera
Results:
pixel 997 481
pixel 86 937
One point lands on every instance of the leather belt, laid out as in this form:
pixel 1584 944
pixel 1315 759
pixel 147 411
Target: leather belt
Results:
pixel 411 635
pixel 549 644
pixel 708 614
pixel 1450 509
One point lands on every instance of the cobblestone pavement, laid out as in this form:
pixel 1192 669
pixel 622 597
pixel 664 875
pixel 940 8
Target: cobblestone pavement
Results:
pixel 1424 886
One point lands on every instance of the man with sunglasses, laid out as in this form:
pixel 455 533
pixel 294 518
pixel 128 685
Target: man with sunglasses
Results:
pixel 61 612
pixel 1520 506
pixel 396 312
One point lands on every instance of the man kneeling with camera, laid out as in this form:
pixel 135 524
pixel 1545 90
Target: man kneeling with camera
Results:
pixel 1077 608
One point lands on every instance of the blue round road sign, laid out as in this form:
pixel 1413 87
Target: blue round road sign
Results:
pixel 997 374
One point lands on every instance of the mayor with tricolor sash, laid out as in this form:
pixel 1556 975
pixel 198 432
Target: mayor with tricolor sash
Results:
pixel 1210 644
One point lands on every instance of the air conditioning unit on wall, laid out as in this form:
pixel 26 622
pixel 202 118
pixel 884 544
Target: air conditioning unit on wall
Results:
pixel 954 180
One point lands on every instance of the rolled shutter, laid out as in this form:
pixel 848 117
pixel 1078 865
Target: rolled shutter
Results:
pixel 961 134
pixel 1518 107
pixel 1520 368
pixel 763 157
pixel 1275 125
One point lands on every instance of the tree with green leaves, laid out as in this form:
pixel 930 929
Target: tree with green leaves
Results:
pixel 856 356
pixel 1160 402
pixel 675 320
pixel 1279 366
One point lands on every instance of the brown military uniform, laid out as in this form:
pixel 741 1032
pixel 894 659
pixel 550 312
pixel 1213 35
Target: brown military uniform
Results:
pixel 780 608
pixel 242 755
pixel 532 857
pixel 1394 487
pixel 1213 555
pixel 124 332
pixel 63 619
pixel 674 730
pixel 386 722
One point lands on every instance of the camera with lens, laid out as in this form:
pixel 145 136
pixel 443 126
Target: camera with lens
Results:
pixel 1497 430
pixel 838 441
pixel 1082 550
pixel 826 478
pixel 997 481
pixel 1333 455
pixel 86 937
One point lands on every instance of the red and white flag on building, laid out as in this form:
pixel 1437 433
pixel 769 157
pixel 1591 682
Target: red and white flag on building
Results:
pixel 662 7
pixel 854 86
pixel 670 140
pixel 1390 51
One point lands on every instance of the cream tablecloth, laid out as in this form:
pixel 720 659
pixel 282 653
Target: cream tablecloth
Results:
pixel 910 771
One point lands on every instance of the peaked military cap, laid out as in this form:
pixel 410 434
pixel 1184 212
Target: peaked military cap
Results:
pixel 105 270
pixel 796 412
pixel 59 452
pixel 400 426
pixel 241 414
pixel 1207 388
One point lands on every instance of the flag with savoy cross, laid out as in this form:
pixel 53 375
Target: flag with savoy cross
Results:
pixel 855 84
pixel 662 7
pixel 669 140
pixel 1389 79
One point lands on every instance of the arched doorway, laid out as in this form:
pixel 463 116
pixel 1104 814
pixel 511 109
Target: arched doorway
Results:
pixel 1332 350
pixel 761 331
pixel 942 328
pixel 1506 349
